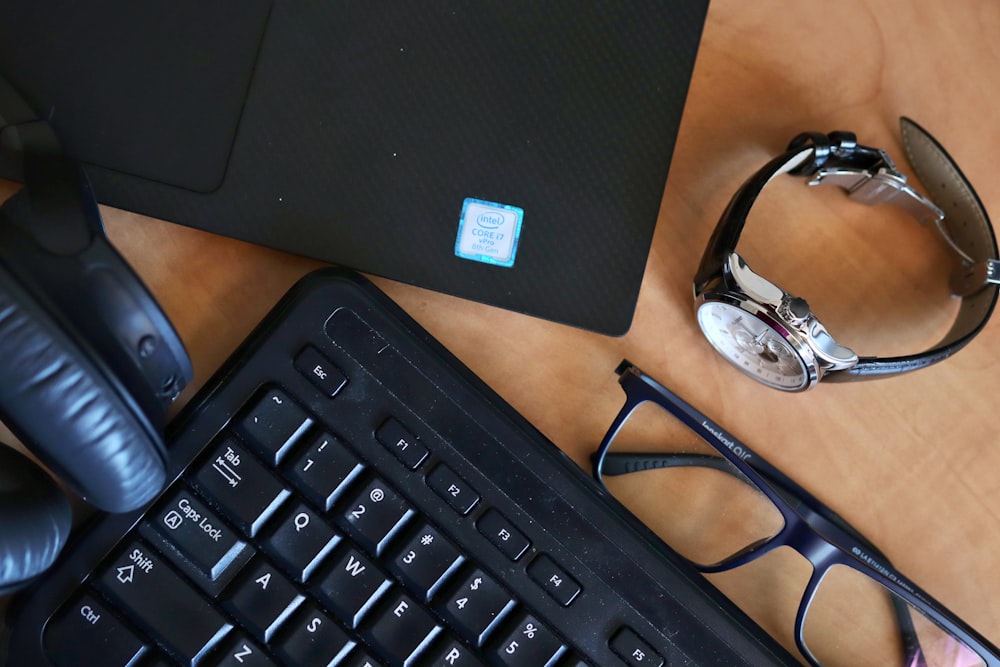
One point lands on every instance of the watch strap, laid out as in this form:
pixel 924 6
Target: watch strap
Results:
pixel 967 228
pixel 727 233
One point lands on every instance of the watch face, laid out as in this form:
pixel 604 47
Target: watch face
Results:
pixel 752 346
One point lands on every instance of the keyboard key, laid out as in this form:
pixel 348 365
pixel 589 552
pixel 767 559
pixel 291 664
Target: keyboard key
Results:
pixel 631 648
pixel 273 424
pixel 554 580
pixel 502 533
pixel 351 586
pixel 404 445
pixel 143 585
pixel 476 605
pixel 312 638
pixel 320 371
pixel 401 628
pixel 528 644
pixel 424 560
pixel 233 479
pixel 300 541
pixel 158 661
pixel 324 470
pixel 87 622
pixel 375 513
pixel 197 532
pixel 262 599
pixel 452 653
pixel 361 658
pixel 239 651
pixel 453 489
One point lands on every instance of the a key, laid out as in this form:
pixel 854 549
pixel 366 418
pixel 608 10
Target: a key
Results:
pixel 262 598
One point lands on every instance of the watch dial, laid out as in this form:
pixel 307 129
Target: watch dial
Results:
pixel 752 346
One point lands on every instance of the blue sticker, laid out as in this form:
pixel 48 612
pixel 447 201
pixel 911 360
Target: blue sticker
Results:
pixel 488 232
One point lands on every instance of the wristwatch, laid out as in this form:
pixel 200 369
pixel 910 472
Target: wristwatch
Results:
pixel 773 336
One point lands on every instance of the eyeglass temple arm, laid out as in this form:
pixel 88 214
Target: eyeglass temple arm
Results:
pixel 623 463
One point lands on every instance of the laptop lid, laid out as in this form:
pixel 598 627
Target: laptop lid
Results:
pixel 513 152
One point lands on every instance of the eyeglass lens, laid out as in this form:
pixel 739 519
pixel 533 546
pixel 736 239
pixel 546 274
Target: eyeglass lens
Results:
pixel 703 508
pixel 852 619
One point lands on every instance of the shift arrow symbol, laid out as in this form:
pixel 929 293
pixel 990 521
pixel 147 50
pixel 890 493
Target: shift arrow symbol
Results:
pixel 125 574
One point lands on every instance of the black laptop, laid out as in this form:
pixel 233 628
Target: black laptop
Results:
pixel 511 152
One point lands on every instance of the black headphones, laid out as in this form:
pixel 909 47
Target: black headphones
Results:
pixel 89 363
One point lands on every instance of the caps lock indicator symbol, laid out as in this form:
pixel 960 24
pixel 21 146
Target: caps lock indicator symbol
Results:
pixel 173 520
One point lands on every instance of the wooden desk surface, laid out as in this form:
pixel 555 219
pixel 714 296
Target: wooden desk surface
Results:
pixel 914 461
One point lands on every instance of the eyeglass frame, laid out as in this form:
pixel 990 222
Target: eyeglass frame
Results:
pixel 810 528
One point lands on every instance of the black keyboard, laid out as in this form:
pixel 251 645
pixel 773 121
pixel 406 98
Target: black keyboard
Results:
pixel 347 493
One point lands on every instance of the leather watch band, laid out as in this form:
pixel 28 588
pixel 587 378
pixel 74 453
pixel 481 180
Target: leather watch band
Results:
pixel 965 227
pixel 727 233
pixel 966 224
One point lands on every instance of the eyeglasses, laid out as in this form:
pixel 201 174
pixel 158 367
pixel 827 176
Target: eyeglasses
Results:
pixel 720 506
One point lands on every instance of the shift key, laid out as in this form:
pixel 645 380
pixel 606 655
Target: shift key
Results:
pixel 143 585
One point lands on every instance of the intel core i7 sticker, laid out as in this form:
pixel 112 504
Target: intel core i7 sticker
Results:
pixel 488 232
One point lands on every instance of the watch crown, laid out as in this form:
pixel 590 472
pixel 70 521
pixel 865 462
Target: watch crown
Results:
pixel 794 308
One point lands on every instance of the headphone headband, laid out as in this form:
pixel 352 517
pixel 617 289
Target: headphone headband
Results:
pixel 53 239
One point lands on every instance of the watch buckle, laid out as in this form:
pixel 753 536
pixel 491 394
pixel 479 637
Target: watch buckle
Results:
pixel 970 278
pixel 887 186
pixel 881 186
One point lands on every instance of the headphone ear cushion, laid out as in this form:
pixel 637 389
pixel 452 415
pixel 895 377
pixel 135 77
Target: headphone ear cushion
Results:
pixel 70 414
pixel 36 519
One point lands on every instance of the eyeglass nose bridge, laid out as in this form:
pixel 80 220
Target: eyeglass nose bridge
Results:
pixel 796 535
pixel 818 551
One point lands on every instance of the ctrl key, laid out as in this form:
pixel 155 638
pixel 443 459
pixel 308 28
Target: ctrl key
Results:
pixel 87 628
pixel 143 586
